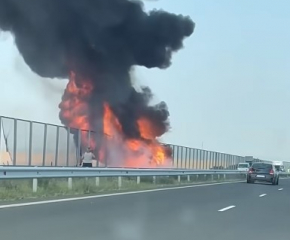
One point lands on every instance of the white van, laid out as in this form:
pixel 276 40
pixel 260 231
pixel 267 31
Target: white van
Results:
pixel 243 167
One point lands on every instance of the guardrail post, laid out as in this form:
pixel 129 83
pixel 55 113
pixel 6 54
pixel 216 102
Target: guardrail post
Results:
pixel 196 177
pixel 69 183
pixel 119 182
pixel 204 176
pixel 138 179
pixel 188 178
pixel 178 178
pixel 218 176
pixel 154 179
pixel 34 185
pixel 212 177
pixel 225 176
pixel 97 181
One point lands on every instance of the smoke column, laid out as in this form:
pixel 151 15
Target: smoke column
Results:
pixel 99 41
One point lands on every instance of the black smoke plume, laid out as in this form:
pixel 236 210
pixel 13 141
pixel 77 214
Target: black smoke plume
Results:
pixel 99 40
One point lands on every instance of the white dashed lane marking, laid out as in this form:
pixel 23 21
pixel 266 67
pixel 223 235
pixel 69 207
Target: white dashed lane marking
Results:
pixel 227 208
pixel 263 195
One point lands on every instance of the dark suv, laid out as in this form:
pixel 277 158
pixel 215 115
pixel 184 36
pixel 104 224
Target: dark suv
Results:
pixel 263 172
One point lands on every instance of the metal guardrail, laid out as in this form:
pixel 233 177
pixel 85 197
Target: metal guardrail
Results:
pixel 65 172
pixel 35 173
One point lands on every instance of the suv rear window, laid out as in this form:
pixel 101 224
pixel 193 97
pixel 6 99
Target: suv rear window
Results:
pixel 261 166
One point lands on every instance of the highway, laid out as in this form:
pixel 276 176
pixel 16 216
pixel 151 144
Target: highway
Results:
pixel 235 211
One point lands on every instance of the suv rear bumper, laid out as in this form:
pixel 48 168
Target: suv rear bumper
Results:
pixel 258 177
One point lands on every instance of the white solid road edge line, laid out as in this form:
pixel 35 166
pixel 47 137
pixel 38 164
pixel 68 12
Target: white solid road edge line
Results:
pixel 280 189
pixel 227 208
pixel 109 195
pixel 263 195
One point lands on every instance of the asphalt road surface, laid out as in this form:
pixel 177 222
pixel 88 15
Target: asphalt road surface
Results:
pixel 234 211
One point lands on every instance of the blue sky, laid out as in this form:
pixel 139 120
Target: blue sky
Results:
pixel 228 89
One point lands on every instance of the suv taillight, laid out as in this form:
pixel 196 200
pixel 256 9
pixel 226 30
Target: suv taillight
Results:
pixel 271 172
pixel 250 170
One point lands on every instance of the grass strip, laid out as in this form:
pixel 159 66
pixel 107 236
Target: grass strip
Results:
pixel 47 188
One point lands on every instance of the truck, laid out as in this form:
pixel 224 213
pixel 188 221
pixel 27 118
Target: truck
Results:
pixel 250 160
pixel 279 165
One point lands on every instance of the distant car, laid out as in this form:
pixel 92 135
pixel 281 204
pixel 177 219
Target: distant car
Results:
pixel 243 167
pixel 263 172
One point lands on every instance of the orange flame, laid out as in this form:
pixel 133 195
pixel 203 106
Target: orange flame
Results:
pixel 146 129
pixel 144 152
pixel 110 122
